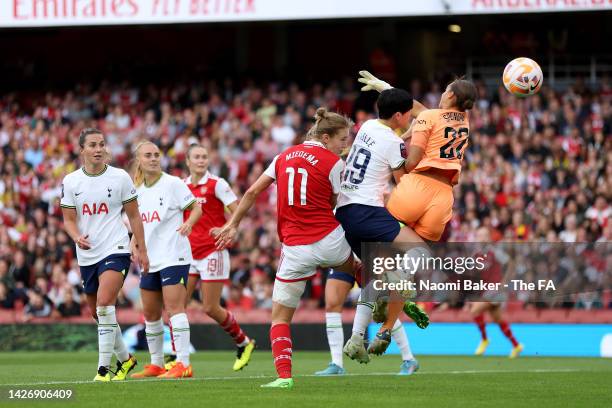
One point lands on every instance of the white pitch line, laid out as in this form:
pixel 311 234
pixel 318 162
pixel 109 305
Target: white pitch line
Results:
pixel 252 377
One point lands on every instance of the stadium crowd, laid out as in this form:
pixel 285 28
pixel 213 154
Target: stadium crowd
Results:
pixel 538 169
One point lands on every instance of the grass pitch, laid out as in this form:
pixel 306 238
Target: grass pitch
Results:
pixel 442 381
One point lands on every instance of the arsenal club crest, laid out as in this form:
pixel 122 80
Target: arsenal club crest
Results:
pixel 203 190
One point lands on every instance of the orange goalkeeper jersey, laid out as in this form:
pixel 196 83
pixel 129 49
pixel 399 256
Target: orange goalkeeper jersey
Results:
pixel 443 134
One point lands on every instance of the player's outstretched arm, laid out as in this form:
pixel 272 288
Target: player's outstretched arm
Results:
pixel 131 210
pixel 417 108
pixel 226 235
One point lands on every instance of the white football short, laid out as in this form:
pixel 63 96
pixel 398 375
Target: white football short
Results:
pixel 298 263
pixel 215 267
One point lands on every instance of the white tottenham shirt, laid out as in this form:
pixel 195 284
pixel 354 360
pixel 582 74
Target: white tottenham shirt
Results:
pixel 98 200
pixel 375 153
pixel 161 207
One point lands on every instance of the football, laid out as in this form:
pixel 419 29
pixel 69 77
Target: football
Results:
pixel 523 77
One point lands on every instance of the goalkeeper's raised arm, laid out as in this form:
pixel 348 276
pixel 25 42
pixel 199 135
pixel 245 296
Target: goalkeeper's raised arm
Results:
pixel 371 83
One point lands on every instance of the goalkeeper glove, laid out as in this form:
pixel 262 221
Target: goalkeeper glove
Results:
pixel 372 83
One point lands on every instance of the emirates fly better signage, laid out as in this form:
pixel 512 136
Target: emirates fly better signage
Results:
pixel 41 13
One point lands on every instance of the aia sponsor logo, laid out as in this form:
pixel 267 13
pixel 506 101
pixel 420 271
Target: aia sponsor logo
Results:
pixel 150 216
pixel 94 209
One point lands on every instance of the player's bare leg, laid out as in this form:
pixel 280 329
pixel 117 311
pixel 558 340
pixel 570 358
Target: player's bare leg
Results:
pixel 336 292
pixel 211 300
pixel 478 309
pixel 92 301
pixel 496 315
pixel 192 282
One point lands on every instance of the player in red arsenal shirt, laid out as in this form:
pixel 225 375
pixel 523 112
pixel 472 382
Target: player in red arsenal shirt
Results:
pixel 307 179
pixel 492 302
pixel 210 265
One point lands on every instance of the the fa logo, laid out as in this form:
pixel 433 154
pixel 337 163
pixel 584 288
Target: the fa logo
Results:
pixel 161 201
pixel 109 191
pixel 102 208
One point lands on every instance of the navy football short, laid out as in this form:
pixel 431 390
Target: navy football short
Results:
pixel 341 276
pixel 90 274
pixel 366 223
pixel 172 275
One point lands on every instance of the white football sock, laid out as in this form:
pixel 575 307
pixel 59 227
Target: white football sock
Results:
pixel 363 317
pixel 180 328
pixel 107 326
pixel 155 340
pixel 120 349
pixel 335 336
pixel 399 335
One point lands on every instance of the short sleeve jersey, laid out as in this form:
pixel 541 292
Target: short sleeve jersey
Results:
pixel 443 134
pixel 161 207
pixel 375 153
pixel 213 194
pixel 307 177
pixel 98 200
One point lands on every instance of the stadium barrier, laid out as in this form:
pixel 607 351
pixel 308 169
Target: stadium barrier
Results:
pixel 566 340
pixel 540 339
pixel 83 337
pixel 514 314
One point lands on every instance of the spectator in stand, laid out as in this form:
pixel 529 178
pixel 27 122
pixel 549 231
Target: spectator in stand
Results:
pixel 20 271
pixel 600 212
pixel 7 298
pixel 540 168
pixel 68 307
pixel 237 299
pixel 38 306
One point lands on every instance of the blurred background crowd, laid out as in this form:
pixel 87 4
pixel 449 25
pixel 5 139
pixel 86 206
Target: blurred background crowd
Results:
pixel 538 169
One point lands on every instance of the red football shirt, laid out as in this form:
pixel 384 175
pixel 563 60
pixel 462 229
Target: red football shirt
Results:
pixel 213 194
pixel 307 177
